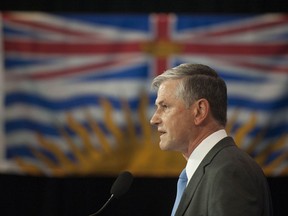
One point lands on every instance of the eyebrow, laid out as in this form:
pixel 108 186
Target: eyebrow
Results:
pixel 159 102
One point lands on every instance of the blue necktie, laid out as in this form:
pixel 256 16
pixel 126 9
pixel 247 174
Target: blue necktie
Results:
pixel 181 185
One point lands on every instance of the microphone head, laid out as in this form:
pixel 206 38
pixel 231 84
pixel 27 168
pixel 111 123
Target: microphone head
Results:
pixel 121 184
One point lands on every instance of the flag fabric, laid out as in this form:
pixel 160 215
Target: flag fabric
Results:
pixel 76 97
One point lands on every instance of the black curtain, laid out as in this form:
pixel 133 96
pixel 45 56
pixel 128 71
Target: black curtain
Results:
pixel 148 6
pixel 42 196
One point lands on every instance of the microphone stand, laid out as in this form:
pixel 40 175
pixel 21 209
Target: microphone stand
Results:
pixel 120 186
pixel 104 206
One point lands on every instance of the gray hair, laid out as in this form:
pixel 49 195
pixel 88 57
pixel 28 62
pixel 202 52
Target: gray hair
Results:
pixel 198 81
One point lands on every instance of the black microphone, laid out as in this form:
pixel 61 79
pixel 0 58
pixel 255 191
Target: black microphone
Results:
pixel 119 188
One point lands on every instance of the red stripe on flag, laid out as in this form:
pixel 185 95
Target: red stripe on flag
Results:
pixel 70 48
pixel 239 49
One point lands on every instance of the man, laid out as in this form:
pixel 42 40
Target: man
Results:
pixel 190 116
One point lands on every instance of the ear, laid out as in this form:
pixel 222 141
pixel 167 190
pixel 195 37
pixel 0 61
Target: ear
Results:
pixel 201 111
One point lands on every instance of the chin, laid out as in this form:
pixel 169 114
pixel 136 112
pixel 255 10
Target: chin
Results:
pixel 164 146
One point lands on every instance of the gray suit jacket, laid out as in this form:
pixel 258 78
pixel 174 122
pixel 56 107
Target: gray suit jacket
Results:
pixel 228 182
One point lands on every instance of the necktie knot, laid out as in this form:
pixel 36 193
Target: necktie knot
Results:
pixel 181 185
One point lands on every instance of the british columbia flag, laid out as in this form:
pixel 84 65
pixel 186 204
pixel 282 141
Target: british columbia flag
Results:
pixel 76 96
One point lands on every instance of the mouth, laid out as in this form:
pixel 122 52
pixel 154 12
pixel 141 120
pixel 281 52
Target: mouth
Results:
pixel 161 132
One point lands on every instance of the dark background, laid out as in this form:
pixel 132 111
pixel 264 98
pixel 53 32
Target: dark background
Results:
pixel 43 196
pixel 148 6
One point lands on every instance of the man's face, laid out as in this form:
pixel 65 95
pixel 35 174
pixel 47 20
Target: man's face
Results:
pixel 172 118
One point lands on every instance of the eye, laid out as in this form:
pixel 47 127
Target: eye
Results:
pixel 164 106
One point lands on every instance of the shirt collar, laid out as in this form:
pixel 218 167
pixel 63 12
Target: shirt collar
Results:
pixel 202 150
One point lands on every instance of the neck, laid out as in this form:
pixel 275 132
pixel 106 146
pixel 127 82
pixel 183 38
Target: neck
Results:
pixel 202 134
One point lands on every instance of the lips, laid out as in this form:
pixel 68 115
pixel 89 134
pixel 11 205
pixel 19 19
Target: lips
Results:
pixel 161 132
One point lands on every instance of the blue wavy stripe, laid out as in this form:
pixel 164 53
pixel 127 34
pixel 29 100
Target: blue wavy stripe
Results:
pixel 152 98
pixel 230 77
pixel 276 104
pixel 21 150
pixel 63 104
pixel 26 124
pixel 271 132
pixel 14 62
pixel 274 155
pixel 271 157
pixel 88 100
pixel 137 72
pixel 238 102
pixel 12 126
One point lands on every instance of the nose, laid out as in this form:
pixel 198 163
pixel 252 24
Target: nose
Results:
pixel 155 119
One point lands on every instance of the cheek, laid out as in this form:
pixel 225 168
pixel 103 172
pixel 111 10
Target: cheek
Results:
pixel 179 120
pixel 184 124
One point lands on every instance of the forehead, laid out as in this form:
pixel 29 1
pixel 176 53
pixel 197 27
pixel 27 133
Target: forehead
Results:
pixel 167 90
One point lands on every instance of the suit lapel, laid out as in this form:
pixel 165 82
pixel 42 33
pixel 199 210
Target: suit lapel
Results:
pixel 199 173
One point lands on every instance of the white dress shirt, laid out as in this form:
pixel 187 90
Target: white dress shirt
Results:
pixel 202 150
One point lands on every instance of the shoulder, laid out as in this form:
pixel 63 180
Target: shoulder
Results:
pixel 226 156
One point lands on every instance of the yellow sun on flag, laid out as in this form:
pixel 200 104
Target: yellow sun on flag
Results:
pixel 139 154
